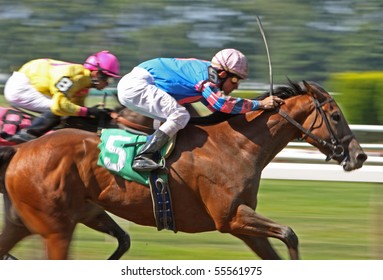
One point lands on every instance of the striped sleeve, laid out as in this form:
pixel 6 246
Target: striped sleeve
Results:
pixel 227 104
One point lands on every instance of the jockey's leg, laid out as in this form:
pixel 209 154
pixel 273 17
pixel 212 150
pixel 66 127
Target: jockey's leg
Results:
pixel 138 92
pixel 177 119
pixel 44 123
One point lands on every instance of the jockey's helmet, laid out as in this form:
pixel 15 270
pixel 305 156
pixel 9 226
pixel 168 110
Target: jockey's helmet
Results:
pixel 105 62
pixel 231 60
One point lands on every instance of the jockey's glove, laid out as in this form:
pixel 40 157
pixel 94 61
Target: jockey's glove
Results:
pixel 95 112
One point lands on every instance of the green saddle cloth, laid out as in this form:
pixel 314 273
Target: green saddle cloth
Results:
pixel 117 151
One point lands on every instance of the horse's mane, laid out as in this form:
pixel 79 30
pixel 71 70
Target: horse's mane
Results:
pixel 283 92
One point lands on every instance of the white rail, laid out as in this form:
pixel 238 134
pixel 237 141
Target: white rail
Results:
pixel 322 172
pixel 366 128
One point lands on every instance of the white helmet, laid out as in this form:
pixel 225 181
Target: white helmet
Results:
pixel 233 61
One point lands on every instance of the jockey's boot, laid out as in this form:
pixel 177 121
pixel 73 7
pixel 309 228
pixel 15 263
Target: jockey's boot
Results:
pixel 40 125
pixel 143 162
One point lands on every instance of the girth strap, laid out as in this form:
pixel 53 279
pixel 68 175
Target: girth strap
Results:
pixel 162 202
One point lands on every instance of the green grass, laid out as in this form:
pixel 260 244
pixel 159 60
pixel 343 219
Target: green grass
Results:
pixel 333 220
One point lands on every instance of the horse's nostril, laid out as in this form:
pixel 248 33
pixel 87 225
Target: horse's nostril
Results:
pixel 361 157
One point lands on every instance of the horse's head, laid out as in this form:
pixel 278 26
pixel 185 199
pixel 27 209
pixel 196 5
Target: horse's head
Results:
pixel 327 129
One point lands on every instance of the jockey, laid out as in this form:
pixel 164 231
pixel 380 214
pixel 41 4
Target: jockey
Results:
pixel 57 88
pixel 159 88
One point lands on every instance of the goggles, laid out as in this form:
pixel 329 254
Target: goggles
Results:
pixel 234 79
pixel 105 78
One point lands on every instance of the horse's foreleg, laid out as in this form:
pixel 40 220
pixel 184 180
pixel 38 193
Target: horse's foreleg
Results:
pixel 261 246
pixel 14 230
pixel 248 222
pixel 57 245
pixel 11 235
pixel 104 223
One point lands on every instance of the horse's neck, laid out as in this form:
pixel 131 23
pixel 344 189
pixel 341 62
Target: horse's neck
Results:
pixel 256 137
pixel 261 135
pixel 279 130
pixel 280 133
pixel 272 136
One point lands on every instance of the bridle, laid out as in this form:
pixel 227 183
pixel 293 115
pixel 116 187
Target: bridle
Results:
pixel 335 144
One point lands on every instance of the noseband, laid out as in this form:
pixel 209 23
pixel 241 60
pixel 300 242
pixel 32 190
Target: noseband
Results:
pixel 336 147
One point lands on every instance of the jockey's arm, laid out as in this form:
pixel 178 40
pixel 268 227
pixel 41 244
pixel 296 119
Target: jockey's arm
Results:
pixel 62 106
pixel 228 104
pixel 69 95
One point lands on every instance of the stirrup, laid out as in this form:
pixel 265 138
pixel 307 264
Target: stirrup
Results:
pixel 144 164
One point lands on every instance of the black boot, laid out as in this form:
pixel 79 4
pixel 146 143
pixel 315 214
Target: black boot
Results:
pixel 44 123
pixel 40 125
pixel 143 162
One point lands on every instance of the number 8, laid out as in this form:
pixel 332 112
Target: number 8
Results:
pixel 64 84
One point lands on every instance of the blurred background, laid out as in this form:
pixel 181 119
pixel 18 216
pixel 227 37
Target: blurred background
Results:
pixel 309 39
pixel 335 43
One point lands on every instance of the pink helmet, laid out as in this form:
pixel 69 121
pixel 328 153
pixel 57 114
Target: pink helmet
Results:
pixel 105 62
pixel 233 61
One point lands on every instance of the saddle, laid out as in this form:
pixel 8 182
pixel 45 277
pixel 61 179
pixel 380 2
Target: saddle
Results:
pixel 118 148
pixel 130 125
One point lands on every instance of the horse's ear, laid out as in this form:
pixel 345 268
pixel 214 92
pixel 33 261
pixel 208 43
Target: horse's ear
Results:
pixel 307 85
pixel 309 88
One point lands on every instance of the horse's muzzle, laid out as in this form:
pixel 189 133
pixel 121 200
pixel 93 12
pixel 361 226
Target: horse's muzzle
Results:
pixel 355 158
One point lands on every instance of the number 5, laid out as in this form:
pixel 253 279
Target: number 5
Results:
pixel 118 151
pixel 213 75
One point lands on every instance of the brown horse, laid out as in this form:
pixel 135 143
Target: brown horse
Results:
pixel 214 174
pixel 95 218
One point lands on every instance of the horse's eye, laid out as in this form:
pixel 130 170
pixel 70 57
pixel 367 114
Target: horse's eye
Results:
pixel 335 117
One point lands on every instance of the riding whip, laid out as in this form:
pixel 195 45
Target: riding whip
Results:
pixel 268 54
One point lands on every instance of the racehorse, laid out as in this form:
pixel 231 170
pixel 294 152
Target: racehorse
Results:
pixel 95 218
pixel 214 173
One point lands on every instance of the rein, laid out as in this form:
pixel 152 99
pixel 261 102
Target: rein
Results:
pixel 337 150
